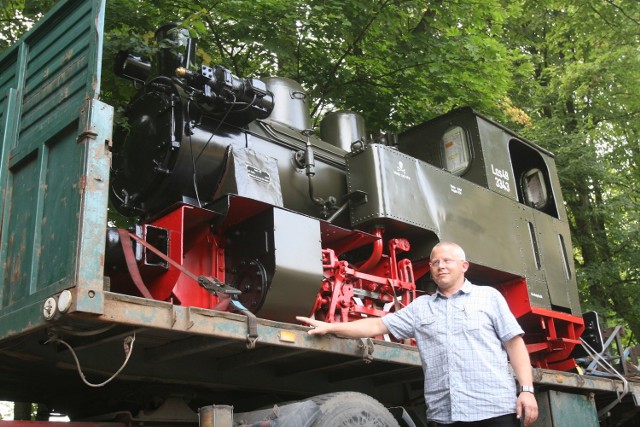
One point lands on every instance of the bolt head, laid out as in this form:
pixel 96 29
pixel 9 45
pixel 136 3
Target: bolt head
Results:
pixel 49 308
pixel 64 301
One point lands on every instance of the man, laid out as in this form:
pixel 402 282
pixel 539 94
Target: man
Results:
pixel 464 333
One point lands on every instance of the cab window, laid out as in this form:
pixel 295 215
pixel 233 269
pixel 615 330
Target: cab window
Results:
pixel 534 189
pixel 455 151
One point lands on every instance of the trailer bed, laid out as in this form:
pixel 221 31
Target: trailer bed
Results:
pixel 204 356
pixel 198 354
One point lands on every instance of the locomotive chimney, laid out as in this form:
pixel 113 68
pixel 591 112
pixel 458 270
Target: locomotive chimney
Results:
pixel 177 49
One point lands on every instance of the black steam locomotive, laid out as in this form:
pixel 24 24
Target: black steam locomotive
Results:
pixel 242 206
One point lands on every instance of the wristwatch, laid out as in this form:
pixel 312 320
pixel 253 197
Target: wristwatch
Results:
pixel 527 388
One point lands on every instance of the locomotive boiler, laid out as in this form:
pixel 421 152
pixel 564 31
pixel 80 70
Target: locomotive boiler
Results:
pixel 240 205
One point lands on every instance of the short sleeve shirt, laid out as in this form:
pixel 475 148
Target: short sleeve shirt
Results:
pixel 460 339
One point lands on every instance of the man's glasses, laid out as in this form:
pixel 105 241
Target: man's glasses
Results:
pixel 445 262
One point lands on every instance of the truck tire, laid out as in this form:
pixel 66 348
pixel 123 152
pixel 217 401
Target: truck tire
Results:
pixel 350 409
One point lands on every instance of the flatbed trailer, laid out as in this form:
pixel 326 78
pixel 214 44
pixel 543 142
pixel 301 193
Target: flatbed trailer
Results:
pixel 71 344
pixel 172 349
pixel 182 348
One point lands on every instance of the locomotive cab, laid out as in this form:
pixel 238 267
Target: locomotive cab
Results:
pixel 534 232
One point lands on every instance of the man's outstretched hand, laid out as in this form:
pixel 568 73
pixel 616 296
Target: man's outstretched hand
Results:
pixel 318 327
pixel 362 328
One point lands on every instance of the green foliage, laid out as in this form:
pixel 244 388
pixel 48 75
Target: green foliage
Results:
pixel 583 97
pixel 17 16
pixel 397 62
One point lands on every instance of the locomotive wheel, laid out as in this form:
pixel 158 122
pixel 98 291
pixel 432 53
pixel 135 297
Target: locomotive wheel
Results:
pixel 350 409
pixel 252 281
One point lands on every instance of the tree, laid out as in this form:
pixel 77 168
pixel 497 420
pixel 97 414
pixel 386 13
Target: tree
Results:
pixel 583 100
pixel 17 16
pixel 397 62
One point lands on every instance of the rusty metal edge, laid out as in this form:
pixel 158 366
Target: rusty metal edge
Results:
pixel 144 313
pixel 583 383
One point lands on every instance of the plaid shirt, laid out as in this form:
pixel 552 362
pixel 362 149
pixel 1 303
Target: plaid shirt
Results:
pixel 465 365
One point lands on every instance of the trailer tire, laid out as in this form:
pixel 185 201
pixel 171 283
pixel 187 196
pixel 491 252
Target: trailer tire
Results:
pixel 350 409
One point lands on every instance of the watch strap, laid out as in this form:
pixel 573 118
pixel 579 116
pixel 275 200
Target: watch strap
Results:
pixel 527 388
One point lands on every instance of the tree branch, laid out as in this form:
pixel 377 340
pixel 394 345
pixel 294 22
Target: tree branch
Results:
pixel 328 86
pixel 624 13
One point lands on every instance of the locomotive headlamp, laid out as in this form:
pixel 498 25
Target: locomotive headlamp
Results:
pixel 131 67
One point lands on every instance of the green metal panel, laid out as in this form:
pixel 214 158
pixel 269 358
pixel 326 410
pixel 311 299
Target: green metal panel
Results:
pixel 409 191
pixel 494 141
pixel 54 160
pixel 561 409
